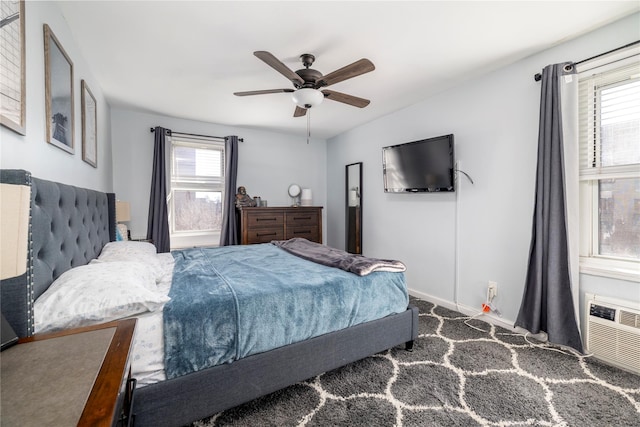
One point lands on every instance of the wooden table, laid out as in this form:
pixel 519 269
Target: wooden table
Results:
pixel 74 377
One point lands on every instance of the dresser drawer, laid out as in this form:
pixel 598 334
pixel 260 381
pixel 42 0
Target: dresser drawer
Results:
pixel 302 218
pixel 308 232
pixel 264 235
pixel 265 220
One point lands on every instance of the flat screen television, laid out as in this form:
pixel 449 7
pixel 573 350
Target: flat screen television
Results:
pixel 419 166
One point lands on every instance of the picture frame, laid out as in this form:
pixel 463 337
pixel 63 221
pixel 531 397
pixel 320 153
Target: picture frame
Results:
pixel 59 97
pixel 12 50
pixel 89 126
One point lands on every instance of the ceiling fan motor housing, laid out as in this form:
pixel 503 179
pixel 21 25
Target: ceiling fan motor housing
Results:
pixel 310 77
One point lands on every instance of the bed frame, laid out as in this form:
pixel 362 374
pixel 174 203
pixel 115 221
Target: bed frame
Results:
pixel 69 226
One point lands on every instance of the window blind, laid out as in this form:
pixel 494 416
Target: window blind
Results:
pixel 609 120
pixel 197 162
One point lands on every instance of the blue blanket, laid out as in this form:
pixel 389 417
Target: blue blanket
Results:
pixel 231 302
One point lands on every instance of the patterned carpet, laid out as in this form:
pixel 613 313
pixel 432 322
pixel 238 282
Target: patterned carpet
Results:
pixel 456 376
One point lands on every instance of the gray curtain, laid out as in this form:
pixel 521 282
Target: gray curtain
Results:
pixel 158 222
pixel 547 304
pixel 229 233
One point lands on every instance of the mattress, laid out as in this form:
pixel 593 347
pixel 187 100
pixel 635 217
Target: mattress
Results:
pixel 147 354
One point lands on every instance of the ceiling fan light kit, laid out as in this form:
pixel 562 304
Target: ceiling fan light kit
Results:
pixel 307 97
pixel 307 82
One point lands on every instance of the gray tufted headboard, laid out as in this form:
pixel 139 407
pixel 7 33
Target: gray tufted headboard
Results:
pixel 68 226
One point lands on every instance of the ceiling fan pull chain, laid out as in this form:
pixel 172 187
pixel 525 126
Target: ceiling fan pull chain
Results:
pixel 308 124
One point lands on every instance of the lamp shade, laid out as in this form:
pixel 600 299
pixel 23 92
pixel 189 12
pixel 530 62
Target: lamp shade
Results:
pixel 306 199
pixel 123 211
pixel 307 98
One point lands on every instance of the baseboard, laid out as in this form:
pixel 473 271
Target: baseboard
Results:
pixel 472 311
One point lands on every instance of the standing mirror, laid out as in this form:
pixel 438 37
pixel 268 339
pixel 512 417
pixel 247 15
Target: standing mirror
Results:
pixel 354 208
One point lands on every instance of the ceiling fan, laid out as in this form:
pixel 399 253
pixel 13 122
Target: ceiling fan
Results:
pixel 307 82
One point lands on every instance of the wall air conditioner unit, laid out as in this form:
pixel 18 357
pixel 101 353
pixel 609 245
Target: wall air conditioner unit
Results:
pixel 613 331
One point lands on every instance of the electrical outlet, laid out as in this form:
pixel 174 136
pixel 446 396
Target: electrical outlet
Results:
pixel 492 291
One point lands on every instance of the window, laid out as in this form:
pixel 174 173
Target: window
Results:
pixel 610 169
pixel 197 191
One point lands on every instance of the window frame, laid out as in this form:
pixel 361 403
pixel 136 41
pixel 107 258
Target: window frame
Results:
pixel 193 238
pixel 591 261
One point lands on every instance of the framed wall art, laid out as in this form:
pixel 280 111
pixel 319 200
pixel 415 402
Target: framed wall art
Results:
pixel 12 67
pixel 58 80
pixel 89 126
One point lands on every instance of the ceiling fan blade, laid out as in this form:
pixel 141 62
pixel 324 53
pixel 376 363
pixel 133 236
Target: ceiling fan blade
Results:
pixel 299 112
pixel 262 92
pixel 346 99
pixel 275 63
pixel 359 67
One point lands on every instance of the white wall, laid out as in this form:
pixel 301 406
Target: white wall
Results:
pixel 495 122
pixel 268 162
pixel 32 152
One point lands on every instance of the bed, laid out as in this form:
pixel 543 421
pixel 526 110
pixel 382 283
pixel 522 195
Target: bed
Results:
pixel 69 227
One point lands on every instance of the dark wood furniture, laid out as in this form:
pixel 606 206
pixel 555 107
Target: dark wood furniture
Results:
pixel 262 225
pixel 74 377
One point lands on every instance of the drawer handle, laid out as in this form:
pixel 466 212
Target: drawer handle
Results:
pixel 302 232
pixel 301 217
pixel 266 219
pixel 265 234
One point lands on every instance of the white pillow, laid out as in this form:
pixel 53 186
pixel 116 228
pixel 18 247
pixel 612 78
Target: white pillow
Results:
pixel 128 247
pixel 97 293
pixel 142 252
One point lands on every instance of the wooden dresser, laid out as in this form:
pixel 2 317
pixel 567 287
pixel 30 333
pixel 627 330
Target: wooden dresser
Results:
pixel 262 225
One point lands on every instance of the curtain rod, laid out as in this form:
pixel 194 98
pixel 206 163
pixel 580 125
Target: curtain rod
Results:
pixel 538 76
pixel 195 134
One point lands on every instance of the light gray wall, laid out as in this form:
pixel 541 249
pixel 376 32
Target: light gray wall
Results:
pixel 32 152
pixel 268 162
pixel 487 225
